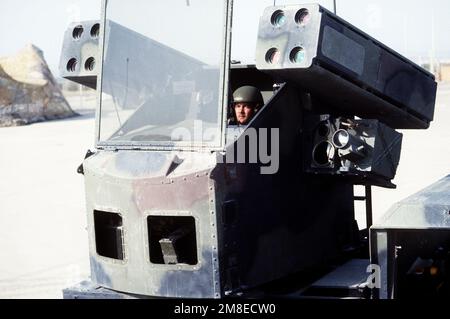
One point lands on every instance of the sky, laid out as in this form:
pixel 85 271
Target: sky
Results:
pixel 404 25
pixel 42 23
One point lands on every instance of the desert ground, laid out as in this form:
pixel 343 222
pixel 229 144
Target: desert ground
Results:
pixel 43 239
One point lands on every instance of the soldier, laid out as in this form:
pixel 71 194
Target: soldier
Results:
pixel 246 103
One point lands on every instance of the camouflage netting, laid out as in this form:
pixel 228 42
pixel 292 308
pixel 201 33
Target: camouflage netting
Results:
pixel 28 90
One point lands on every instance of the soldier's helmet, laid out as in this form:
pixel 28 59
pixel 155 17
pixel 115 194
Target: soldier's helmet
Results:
pixel 248 94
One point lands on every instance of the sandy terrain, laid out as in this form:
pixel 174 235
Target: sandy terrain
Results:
pixel 43 241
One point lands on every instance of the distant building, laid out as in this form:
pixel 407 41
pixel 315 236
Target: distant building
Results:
pixel 441 70
pixel 444 72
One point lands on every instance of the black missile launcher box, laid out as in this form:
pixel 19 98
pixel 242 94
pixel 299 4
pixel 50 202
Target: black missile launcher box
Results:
pixel 343 66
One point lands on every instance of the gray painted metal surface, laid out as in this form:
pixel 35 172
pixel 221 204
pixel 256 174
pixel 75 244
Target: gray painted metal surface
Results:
pixel 138 185
pixel 428 209
pixel 87 290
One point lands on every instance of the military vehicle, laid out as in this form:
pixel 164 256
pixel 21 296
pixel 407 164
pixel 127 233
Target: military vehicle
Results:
pixel 181 204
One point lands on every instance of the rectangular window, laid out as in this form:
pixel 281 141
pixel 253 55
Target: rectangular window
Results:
pixel 109 235
pixel 172 240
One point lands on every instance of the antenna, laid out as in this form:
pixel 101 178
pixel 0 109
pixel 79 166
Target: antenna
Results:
pixel 335 6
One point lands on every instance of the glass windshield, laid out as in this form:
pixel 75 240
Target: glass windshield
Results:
pixel 163 72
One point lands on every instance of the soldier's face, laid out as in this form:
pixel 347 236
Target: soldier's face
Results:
pixel 244 112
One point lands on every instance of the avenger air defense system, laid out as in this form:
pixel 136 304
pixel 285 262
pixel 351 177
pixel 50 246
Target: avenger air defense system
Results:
pixel 181 204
